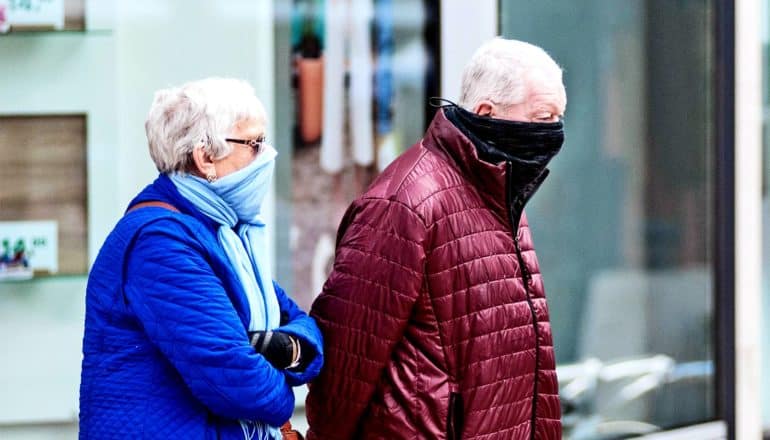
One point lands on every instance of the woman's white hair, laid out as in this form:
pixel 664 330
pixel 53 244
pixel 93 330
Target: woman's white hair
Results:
pixel 499 72
pixel 197 114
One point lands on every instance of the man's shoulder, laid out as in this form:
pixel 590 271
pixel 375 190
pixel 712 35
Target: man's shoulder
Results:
pixel 413 177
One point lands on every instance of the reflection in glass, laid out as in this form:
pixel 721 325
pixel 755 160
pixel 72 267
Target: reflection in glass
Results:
pixel 358 73
pixel 766 215
pixel 622 226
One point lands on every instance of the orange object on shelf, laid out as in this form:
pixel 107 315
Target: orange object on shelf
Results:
pixel 310 87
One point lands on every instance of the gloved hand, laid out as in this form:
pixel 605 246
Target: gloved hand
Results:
pixel 280 349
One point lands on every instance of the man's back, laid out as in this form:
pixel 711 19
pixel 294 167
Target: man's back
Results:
pixel 432 328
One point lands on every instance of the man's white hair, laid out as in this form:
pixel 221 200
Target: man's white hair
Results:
pixel 197 114
pixel 499 72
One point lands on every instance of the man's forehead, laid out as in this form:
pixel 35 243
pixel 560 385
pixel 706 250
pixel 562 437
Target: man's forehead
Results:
pixel 544 79
pixel 549 88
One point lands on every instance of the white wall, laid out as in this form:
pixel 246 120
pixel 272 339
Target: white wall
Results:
pixel 166 43
pixel 40 372
pixel 56 73
pixel 464 26
pixel 109 73
pixel 67 73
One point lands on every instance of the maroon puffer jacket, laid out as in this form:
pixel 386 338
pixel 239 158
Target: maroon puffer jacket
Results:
pixel 432 327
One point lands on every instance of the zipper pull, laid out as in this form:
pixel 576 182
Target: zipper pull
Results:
pixel 526 277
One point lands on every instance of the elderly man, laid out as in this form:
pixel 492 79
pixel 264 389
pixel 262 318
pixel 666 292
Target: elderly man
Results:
pixel 434 316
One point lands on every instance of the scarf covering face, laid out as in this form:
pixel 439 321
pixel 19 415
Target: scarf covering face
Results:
pixel 529 146
pixel 525 147
pixel 235 202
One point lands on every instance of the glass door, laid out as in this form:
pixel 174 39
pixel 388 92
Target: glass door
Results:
pixel 623 226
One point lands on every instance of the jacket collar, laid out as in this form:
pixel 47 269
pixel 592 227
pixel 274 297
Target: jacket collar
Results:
pixel 489 179
pixel 164 190
pixel 501 188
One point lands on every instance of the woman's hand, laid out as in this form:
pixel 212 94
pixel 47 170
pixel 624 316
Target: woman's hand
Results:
pixel 282 350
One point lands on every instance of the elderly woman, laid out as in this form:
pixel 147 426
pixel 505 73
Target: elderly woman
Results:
pixel 186 335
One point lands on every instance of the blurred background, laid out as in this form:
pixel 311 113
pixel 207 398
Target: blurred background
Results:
pixel 659 296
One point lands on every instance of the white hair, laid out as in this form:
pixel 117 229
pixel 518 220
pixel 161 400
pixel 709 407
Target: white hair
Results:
pixel 197 114
pixel 499 72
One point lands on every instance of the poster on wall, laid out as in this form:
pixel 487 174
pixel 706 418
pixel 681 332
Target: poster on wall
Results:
pixel 31 14
pixel 358 81
pixel 26 248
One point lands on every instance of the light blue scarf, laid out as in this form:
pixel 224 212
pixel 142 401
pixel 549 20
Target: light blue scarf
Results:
pixel 236 199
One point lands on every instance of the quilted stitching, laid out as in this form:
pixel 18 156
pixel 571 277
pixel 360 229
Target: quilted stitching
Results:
pixel 171 358
pixel 426 297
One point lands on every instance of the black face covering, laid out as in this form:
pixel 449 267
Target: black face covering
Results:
pixel 526 147
pixel 528 144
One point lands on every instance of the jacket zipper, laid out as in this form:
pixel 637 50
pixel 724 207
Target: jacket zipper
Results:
pixel 526 278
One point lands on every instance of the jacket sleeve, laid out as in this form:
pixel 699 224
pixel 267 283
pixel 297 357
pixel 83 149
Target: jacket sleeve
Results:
pixel 186 313
pixel 302 326
pixel 363 311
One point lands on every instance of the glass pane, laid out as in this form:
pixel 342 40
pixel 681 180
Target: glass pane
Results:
pixel 622 225
pixel 358 88
pixel 766 217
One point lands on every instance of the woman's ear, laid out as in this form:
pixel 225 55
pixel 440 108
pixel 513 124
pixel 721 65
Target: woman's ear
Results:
pixel 204 165
pixel 484 108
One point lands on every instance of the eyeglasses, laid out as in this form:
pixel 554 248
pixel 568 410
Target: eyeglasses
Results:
pixel 255 144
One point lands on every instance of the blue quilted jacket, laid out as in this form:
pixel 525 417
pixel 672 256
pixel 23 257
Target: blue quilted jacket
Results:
pixel 165 350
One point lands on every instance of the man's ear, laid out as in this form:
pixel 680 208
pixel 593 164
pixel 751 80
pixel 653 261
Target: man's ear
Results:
pixel 204 165
pixel 484 108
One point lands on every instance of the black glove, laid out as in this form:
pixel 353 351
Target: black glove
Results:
pixel 277 347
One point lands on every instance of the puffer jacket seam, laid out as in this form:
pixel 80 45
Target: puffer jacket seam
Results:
pixel 442 190
pixel 486 257
pixel 454 379
pixel 466 210
pixel 373 283
pixel 473 286
pixel 399 189
pixel 455 240
pixel 387 233
pixel 502 405
pixel 170 216
pixel 481 335
pixel 379 312
pixel 495 434
pixel 404 205
pixel 380 257
pixel 497 357
pixel 415 399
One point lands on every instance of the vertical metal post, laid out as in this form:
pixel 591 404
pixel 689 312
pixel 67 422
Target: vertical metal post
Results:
pixel 724 221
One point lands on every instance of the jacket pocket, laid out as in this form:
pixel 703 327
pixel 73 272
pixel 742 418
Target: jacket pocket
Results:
pixel 454 423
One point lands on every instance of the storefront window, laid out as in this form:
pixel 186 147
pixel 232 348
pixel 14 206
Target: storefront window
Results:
pixel 357 84
pixel 623 224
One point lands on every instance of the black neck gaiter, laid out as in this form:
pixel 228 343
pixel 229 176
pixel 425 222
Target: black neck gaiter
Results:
pixel 526 147
pixel 529 144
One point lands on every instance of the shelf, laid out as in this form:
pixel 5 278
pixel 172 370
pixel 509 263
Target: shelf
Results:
pixel 40 33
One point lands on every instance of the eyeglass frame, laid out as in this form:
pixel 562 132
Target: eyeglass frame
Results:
pixel 255 144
